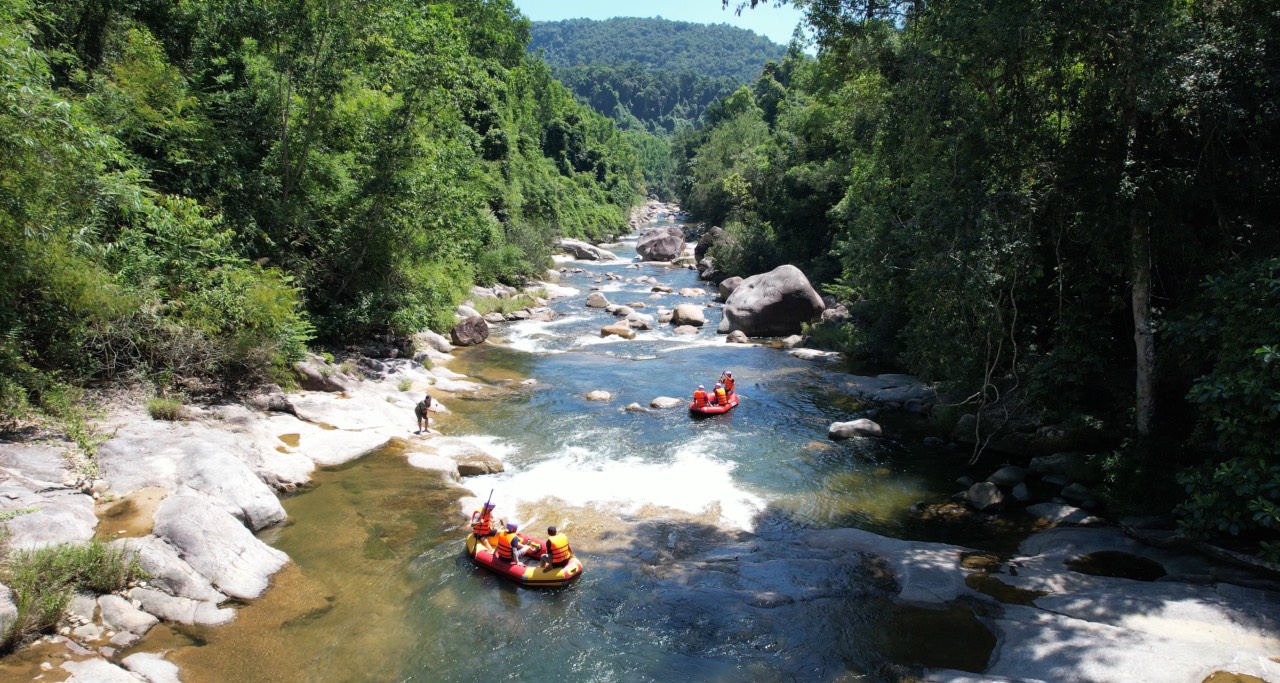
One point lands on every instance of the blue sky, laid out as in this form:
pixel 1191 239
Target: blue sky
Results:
pixel 775 22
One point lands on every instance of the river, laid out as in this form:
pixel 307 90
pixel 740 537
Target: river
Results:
pixel 380 589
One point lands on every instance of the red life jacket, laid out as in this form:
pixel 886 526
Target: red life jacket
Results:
pixel 482 522
pixel 699 398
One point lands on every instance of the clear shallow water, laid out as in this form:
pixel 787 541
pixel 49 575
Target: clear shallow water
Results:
pixel 380 590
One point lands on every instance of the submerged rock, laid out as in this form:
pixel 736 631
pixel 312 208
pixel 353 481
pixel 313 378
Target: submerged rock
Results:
pixel 847 430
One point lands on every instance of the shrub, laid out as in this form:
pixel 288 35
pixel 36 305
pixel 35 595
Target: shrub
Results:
pixel 161 408
pixel 44 580
pixel 518 302
pixel 405 385
pixel 1238 497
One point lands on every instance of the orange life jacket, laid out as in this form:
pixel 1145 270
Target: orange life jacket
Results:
pixel 558 548
pixel 504 546
pixel 699 398
pixel 728 384
pixel 720 397
pixel 482 522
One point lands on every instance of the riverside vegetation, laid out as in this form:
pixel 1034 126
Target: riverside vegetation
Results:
pixel 191 193
pixel 1065 214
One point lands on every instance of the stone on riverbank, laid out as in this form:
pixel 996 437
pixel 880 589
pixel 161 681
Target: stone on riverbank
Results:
pixel 597 300
pixel 119 614
pixel 585 252
pixel 229 481
pixel 61 516
pixel 97 671
pixel 168 571
pixel 621 329
pixel 470 331
pixel 182 610
pixel 985 496
pixel 153 667
pixel 727 286
pixel 218 546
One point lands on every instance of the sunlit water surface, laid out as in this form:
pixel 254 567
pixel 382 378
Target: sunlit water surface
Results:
pixel 380 590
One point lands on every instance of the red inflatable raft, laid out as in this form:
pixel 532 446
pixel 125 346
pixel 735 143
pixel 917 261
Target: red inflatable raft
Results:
pixel 715 409
pixel 530 575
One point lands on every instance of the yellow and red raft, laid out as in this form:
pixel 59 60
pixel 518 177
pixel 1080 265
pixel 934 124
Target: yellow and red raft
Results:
pixel 531 575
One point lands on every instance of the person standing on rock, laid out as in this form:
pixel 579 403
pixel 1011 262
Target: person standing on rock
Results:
pixel 421 412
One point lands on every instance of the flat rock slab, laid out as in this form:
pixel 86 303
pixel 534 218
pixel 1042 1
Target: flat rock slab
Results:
pixel 169 571
pixel 217 545
pixel 97 671
pixel 120 615
pixel 47 465
pixel 181 610
pixel 928 574
pixel 153 667
pixel 61 517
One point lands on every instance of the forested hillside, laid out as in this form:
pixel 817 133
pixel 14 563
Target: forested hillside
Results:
pixel 712 50
pixel 652 76
pixel 1056 209
pixel 194 191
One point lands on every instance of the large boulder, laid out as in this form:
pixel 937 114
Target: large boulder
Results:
pixel 581 250
pixel 597 300
pixel 621 329
pixel 427 339
pixel 772 304
pixel 119 614
pixel 233 484
pixel 985 497
pixel 317 375
pixel 217 545
pixel 471 331
pixel 168 571
pixel 660 244
pixel 726 287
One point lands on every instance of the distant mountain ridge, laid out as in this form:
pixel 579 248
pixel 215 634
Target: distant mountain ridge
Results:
pixel 711 50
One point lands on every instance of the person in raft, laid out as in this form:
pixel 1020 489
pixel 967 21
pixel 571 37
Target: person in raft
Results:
pixel 700 396
pixel 558 551
pixel 482 524
pixel 508 544
pixel 420 411
pixel 720 398
pixel 727 380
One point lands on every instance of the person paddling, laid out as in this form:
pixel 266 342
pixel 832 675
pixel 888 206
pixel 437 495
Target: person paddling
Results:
pixel 482 524
pixel 727 380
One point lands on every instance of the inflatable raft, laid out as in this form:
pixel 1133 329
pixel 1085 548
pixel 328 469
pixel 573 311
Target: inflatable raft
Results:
pixel 526 575
pixel 716 409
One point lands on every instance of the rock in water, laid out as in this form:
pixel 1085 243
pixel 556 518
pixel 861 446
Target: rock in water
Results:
pixel 661 244
pixel 772 304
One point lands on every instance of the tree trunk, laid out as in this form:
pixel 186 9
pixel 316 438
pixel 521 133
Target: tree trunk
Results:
pixel 1143 339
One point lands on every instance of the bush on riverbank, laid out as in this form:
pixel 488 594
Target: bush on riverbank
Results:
pixel 44 581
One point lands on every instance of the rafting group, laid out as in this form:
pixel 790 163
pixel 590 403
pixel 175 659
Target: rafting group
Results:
pixel 721 399
pixel 508 553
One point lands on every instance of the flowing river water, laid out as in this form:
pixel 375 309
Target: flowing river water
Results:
pixel 380 590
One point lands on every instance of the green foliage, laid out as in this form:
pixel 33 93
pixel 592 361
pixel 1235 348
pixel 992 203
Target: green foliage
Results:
pixel 43 582
pixel 404 385
pixel 192 193
pixel 1238 497
pixel 162 408
pixel 504 305
pixel 714 50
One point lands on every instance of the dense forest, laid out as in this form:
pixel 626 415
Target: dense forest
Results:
pixel 715 51
pixel 1057 209
pixel 195 191
pixel 653 77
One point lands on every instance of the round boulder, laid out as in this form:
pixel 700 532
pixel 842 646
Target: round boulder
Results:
pixel 470 331
pixel 985 497
pixel 847 430
pixel 599 395
pixel 664 402
pixel 660 244
pixel 618 330
pixel 688 314
pixel 772 304
pixel 597 300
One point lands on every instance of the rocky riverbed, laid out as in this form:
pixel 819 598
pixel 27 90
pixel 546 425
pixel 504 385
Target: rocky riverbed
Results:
pixel 1073 604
